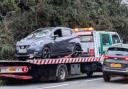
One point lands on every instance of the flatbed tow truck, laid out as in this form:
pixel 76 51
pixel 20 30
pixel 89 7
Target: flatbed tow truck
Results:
pixel 94 44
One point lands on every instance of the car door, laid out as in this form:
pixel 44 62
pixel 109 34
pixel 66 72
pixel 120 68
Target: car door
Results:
pixel 67 40
pixel 58 44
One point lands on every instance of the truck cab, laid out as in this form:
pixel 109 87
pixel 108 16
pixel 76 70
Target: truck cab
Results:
pixel 95 43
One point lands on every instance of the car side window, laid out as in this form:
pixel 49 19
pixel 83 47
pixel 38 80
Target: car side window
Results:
pixel 105 39
pixel 58 33
pixel 115 39
pixel 67 32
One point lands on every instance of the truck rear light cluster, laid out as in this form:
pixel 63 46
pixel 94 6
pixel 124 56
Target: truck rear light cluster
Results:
pixel 25 69
pixel 91 52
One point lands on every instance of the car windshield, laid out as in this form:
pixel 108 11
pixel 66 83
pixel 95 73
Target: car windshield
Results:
pixel 84 38
pixel 40 32
pixel 117 52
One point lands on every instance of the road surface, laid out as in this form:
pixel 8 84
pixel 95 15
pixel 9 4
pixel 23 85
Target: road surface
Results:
pixel 77 83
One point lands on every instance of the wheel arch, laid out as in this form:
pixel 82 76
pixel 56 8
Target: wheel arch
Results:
pixel 78 44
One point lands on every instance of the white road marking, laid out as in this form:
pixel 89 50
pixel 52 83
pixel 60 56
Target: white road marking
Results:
pixel 67 84
pixel 53 86
pixel 93 79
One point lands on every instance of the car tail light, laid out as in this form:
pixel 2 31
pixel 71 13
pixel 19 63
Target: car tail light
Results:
pixel 126 58
pixel 106 57
pixel 91 52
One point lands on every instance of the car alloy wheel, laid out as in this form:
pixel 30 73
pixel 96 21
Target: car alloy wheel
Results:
pixel 76 51
pixel 46 52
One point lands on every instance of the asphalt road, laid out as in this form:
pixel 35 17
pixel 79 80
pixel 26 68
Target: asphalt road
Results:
pixel 75 83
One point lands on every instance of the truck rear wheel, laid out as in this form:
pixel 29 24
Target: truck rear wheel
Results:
pixel 61 73
pixel 89 74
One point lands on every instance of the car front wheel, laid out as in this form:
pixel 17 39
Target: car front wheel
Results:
pixel 46 53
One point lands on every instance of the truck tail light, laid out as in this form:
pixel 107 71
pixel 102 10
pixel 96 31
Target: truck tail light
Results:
pixel 25 69
pixel 91 52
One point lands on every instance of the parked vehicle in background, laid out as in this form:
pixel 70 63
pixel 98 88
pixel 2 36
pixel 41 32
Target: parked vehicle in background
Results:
pixel 115 62
pixel 48 42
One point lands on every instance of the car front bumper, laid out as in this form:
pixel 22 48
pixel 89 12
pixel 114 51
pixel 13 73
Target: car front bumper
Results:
pixel 29 54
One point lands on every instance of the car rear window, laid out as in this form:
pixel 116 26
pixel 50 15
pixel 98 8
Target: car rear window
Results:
pixel 117 51
pixel 86 38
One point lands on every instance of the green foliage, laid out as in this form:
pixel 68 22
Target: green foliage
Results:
pixel 7 52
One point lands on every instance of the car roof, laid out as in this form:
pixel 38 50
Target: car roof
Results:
pixel 52 28
pixel 49 28
pixel 120 45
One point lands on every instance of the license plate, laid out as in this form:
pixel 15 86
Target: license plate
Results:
pixel 114 65
pixel 13 69
pixel 22 50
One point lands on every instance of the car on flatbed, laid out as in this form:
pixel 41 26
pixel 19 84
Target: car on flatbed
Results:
pixel 115 62
pixel 48 42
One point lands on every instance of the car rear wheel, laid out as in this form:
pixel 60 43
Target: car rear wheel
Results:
pixel 46 53
pixel 76 51
pixel 106 77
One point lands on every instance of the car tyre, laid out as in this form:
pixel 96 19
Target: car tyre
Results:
pixel 77 51
pixel 46 53
pixel 106 77
pixel 61 73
